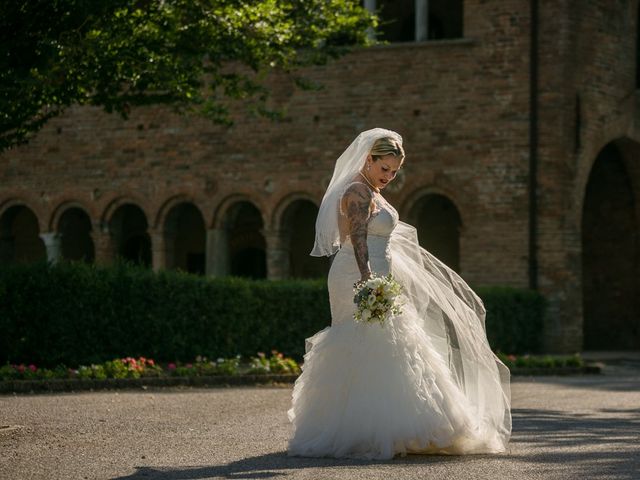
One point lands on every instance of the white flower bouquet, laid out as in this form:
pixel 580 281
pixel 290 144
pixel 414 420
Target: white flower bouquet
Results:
pixel 376 299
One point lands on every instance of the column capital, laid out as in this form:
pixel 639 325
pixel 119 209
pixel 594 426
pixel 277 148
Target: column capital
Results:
pixel 51 238
pixel 53 244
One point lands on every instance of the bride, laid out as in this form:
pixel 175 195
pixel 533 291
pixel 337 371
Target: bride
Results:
pixel 426 381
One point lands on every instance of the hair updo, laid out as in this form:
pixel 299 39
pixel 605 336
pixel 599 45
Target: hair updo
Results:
pixel 387 146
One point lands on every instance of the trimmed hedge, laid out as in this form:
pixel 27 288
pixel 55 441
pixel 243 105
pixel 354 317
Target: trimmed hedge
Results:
pixel 73 313
pixel 515 318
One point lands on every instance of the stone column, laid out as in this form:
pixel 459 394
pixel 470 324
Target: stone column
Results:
pixel 371 6
pixel 160 254
pixel 53 244
pixel 422 20
pixel 103 246
pixel 278 262
pixel 217 261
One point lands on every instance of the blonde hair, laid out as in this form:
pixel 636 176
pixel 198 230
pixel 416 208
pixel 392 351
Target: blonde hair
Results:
pixel 387 146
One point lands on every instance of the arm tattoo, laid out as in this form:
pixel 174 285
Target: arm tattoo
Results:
pixel 358 202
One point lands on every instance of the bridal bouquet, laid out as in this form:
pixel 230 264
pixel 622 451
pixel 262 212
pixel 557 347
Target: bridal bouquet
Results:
pixel 376 299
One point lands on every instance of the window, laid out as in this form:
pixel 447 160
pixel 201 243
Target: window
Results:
pixel 418 20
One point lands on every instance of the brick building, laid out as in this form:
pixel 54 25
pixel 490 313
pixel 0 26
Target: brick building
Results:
pixel 496 99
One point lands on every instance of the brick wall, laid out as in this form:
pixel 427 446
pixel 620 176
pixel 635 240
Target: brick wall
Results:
pixel 462 107
pixel 587 100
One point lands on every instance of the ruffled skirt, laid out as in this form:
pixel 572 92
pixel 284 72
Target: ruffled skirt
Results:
pixel 371 391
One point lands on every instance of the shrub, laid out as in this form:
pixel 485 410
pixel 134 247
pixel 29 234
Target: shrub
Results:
pixel 515 318
pixel 546 361
pixel 73 313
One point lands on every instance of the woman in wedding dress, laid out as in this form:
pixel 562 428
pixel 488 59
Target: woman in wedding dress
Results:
pixel 426 381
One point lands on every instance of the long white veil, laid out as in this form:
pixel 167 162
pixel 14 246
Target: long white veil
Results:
pixel 435 297
pixel 453 316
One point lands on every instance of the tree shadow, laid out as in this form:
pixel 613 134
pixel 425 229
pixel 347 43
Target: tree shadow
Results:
pixel 617 383
pixel 596 445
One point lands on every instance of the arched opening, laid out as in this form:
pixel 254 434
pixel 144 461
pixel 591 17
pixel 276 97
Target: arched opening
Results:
pixel 128 228
pixel 298 229
pixel 438 223
pixel 20 240
pixel 75 232
pixel 610 256
pixel 246 243
pixel 185 238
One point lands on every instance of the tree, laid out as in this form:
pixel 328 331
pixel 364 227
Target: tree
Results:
pixel 192 55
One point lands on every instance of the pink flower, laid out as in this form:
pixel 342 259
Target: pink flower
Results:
pixel 151 362
pixel 171 366
pixel 21 368
pixel 33 368
pixel 189 365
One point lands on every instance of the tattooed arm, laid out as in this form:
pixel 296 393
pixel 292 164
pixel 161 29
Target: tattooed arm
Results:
pixel 356 204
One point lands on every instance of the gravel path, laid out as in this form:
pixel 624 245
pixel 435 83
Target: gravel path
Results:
pixel 585 427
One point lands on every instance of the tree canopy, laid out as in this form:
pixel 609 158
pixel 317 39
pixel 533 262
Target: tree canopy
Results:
pixel 190 54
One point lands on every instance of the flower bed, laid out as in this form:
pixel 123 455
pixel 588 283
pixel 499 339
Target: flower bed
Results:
pixel 541 361
pixel 128 367
pixel 547 364
pixel 144 372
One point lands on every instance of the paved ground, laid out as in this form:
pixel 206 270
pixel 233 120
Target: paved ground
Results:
pixel 564 428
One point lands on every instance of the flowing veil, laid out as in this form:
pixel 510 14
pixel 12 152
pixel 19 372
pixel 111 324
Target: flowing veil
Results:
pixel 453 316
pixel 437 299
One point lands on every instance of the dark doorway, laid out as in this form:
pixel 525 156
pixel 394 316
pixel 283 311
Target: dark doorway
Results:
pixel 75 231
pixel 20 240
pixel 298 227
pixel 610 256
pixel 185 238
pixel 438 223
pixel 247 246
pixel 128 227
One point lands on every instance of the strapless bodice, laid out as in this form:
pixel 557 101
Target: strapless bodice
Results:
pixel 344 269
pixel 384 219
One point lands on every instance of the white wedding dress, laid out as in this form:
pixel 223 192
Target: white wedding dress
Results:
pixel 424 382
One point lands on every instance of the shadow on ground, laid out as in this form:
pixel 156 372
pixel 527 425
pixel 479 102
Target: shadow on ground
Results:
pixel 274 465
pixel 599 444
pixel 595 446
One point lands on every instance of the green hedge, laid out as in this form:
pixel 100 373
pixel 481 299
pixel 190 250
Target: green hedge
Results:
pixel 515 319
pixel 74 313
